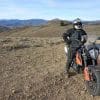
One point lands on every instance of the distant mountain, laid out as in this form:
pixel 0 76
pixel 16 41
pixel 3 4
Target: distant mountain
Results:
pixel 97 22
pixel 19 23
pixel 67 22
pixel 36 22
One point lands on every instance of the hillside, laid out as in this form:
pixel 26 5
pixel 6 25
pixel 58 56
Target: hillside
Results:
pixel 4 29
pixel 52 29
pixel 33 69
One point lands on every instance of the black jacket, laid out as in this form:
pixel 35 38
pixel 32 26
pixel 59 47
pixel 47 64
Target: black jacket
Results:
pixel 73 34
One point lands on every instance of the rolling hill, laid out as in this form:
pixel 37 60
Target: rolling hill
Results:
pixel 51 29
pixel 3 29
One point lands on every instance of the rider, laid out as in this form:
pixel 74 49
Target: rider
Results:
pixel 75 33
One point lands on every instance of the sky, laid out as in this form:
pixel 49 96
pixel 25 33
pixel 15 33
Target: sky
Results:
pixel 50 9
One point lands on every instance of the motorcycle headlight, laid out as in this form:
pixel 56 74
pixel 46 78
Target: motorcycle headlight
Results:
pixel 66 49
pixel 94 53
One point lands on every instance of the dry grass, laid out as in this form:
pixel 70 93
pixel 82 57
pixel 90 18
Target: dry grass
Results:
pixel 13 43
pixel 93 29
pixel 37 72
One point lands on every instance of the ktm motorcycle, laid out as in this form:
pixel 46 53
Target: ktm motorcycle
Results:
pixel 86 61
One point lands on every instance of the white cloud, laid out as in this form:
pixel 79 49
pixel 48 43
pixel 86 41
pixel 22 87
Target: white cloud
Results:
pixel 50 3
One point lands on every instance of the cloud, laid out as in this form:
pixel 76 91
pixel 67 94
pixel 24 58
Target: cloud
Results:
pixel 48 8
pixel 50 3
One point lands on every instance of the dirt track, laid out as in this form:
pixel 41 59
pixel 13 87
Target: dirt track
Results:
pixel 37 73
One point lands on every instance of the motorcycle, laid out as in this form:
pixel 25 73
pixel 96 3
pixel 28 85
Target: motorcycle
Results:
pixel 86 62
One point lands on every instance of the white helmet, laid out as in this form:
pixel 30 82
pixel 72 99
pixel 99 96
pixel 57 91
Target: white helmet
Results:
pixel 77 24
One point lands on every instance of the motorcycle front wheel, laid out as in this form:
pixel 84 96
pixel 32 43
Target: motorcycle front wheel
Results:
pixel 93 86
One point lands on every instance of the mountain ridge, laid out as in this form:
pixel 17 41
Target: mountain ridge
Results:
pixel 18 23
pixel 11 23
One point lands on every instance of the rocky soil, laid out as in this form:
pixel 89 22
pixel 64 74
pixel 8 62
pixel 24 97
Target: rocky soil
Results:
pixel 33 69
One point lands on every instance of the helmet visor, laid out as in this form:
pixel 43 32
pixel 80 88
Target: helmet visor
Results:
pixel 79 23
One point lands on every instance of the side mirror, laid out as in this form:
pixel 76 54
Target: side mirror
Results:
pixel 93 42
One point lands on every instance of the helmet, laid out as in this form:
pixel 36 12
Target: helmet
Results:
pixel 77 24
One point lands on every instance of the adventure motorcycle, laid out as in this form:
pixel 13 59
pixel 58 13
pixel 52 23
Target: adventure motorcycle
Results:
pixel 86 62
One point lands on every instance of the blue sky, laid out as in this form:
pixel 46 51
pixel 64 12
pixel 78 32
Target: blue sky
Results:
pixel 50 9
